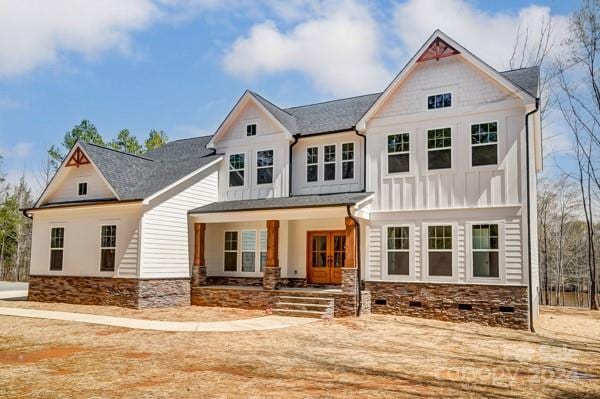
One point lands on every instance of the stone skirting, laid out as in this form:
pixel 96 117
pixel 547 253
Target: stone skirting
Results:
pixel 271 277
pixel 126 292
pixel 254 281
pixel 349 280
pixel 492 305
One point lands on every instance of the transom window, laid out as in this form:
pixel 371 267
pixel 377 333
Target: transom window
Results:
pixel 329 162
pixel 251 129
pixel 439 148
pixel 312 164
pixel 398 148
pixel 348 161
pixel 440 250
pixel 57 244
pixel 244 250
pixel 439 101
pixel 484 144
pixel 108 246
pixel 398 247
pixel 236 170
pixel 82 189
pixel 264 167
pixel 485 250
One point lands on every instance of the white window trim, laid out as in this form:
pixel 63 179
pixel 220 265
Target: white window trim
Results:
pixel 86 188
pixel 411 252
pixel 490 166
pixel 409 152
pixel 425 253
pixel 54 226
pixel 342 161
pixel 469 249
pixel 108 222
pixel 263 167
pixel 428 171
pixel 335 162
pixel 239 272
pixel 245 185
pixel 255 128
pixel 319 158
pixel 439 92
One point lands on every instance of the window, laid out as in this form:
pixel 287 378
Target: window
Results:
pixel 82 189
pixel 439 101
pixel 398 251
pixel 398 148
pixel 484 144
pixel 236 170
pixel 329 162
pixel 263 249
pixel 312 164
pixel 108 245
pixel 485 250
pixel 251 129
pixel 348 161
pixel 439 148
pixel 264 167
pixel 440 250
pixel 248 251
pixel 231 250
pixel 57 244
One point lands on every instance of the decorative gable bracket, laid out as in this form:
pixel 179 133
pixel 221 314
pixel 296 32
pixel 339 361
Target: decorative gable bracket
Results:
pixel 438 49
pixel 78 158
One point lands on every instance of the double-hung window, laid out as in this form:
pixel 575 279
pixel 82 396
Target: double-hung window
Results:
pixel 231 251
pixel 57 245
pixel 439 148
pixel 249 251
pixel 251 129
pixel 398 149
pixel 312 164
pixel 398 247
pixel 245 251
pixel 439 101
pixel 108 246
pixel 484 144
pixel 485 250
pixel 263 249
pixel 440 250
pixel 348 161
pixel 264 167
pixel 236 170
pixel 329 162
pixel 82 189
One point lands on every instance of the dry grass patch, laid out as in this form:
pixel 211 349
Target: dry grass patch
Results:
pixel 376 356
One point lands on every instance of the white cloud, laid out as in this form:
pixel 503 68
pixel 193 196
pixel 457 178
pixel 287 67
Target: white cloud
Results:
pixel 34 33
pixel 488 35
pixel 20 150
pixel 339 49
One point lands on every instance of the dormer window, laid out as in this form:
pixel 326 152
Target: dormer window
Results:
pixel 82 189
pixel 251 129
pixel 439 101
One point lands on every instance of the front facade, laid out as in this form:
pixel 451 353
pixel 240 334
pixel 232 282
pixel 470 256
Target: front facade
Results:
pixel 413 201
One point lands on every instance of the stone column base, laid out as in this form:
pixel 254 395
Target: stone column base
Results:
pixel 349 280
pixel 198 276
pixel 271 278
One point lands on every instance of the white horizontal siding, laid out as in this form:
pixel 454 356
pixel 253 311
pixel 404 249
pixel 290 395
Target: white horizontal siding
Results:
pixel 374 261
pixel 128 265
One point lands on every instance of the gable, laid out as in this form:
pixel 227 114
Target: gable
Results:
pixel 64 186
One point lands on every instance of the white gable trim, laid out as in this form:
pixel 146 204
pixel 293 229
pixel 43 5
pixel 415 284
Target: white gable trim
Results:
pixel 77 145
pixel 234 113
pixel 464 53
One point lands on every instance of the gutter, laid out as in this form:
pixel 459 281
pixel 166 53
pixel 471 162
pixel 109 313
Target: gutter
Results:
pixel 527 167
pixel 358 265
pixel 290 163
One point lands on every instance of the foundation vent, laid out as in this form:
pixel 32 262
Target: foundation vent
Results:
pixel 507 309
pixel 380 301
pixel 465 306
pixel 415 304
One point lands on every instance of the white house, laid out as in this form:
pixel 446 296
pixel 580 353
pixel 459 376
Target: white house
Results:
pixel 419 200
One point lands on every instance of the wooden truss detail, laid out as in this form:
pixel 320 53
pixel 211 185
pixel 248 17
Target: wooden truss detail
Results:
pixel 438 49
pixel 78 158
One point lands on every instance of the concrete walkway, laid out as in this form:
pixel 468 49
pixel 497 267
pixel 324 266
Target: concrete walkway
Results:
pixel 255 324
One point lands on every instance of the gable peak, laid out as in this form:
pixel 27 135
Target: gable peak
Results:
pixel 438 48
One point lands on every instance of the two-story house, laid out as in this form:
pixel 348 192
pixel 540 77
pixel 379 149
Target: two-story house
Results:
pixel 419 200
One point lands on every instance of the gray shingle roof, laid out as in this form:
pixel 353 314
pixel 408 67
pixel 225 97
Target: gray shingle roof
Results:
pixel 300 201
pixel 526 78
pixel 137 177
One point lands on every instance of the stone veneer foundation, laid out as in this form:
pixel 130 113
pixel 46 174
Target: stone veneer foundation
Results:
pixel 253 281
pixel 126 292
pixel 492 305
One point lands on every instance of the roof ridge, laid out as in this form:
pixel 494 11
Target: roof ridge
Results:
pixel 115 150
pixel 518 69
pixel 276 106
pixel 189 138
pixel 331 101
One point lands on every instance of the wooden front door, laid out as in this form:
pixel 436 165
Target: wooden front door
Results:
pixel 326 252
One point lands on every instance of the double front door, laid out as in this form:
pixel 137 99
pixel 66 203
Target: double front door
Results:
pixel 326 252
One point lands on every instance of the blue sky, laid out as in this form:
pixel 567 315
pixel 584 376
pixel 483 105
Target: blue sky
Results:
pixel 180 65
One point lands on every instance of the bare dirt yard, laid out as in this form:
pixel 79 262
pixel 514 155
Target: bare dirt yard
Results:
pixel 376 356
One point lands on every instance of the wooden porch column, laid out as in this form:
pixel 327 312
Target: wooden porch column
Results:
pixel 349 271
pixel 199 267
pixel 272 271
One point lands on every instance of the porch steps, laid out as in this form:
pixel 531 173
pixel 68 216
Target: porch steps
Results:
pixel 303 306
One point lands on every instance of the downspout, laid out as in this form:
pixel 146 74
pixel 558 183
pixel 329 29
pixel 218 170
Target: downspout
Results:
pixel 364 160
pixel 529 265
pixel 296 137
pixel 359 285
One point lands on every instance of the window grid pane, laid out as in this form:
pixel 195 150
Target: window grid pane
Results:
pixel 398 238
pixel 440 237
pixel 348 161
pixel 347 151
pixel 57 237
pixel 485 237
pixel 439 101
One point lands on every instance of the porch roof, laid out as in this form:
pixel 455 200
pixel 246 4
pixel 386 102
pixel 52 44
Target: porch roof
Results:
pixel 299 201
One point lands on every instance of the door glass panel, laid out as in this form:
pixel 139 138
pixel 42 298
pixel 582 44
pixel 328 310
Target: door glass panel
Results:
pixel 339 250
pixel 319 251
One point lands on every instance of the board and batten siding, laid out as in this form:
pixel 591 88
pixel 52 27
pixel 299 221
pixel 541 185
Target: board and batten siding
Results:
pixel 165 245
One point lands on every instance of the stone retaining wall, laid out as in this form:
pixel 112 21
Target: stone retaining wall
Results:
pixel 126 292
pixel 492 305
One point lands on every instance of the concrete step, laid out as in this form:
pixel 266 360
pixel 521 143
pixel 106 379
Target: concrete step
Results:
pixel 305 299
pixel 318 307
pixel 299 313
